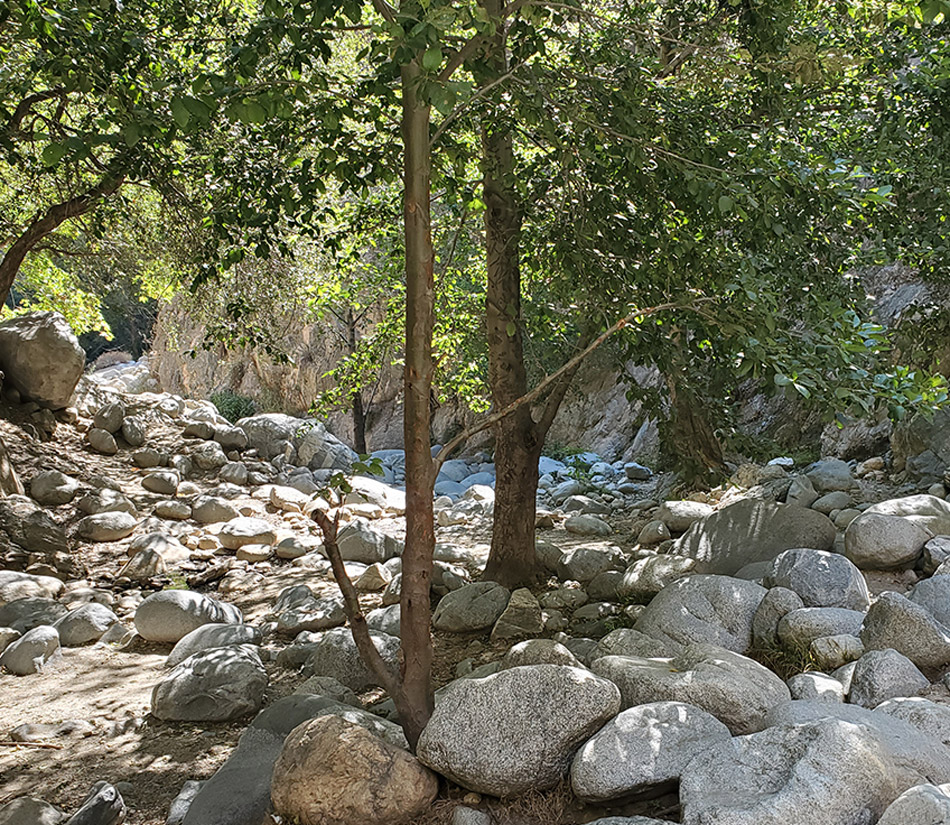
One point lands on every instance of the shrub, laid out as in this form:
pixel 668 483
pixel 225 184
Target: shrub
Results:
pixel 233 406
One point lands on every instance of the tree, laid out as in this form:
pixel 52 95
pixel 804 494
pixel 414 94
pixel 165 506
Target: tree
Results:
pixel 96 97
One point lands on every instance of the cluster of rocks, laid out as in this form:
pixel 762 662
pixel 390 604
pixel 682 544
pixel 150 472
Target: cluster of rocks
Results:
pixel 727 648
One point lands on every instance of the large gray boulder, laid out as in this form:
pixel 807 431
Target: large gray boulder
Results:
pixel 106 526
pixel 15 585
pixel 358 541
pixel 926 716
pixel 921 805
pixel 933 595
pixel 169 615
pixel 84 624
pixel 802 627
pixel 927 511
pixel 736 690
pixel 31 651
pixel 31 527
pixel 820 578
pixel 214 685
pixel 646 577
pixel 752 531
pixel 516 730
pixel 826 772
pixel 334 654
pixel 41 357
pixel 875 541
pixel 212 635
pixel 896 622
pixel 475 606
pixel 319 449
pixel 715 610
pixel 883 674
pixel 25 810
pixel 52 488
pixel 643 751
pixel 239 793
pixel 25 614
pixel 913 752
pixel 333 770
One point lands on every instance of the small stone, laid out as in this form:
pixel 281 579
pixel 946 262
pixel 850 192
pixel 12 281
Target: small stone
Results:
pixel 246 530
pixel 587 525
pixel 164 482
pixel 110 526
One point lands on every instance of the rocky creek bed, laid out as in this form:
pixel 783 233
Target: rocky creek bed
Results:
pixel 173 644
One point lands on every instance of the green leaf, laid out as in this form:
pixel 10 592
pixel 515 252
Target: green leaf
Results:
pixel 53 154
pixel 725 204
pixel 511 329
pixel 180 112
pixel 432 59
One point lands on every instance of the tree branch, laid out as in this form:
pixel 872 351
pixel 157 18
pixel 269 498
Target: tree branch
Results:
pixel 566 369
pixel 553 403
pixel 351 606
pixel 388 12
pixel 26 105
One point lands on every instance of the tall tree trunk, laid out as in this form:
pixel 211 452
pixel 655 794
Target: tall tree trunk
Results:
pixel 359 414
pixel 49 222
pixel 517 441
pixel 696 449
pixel 416 665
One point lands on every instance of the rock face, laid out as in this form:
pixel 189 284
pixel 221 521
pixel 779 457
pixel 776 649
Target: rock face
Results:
pixel 643 750
pixel 214 685
pixel 752 531
pixel 331 770
pixel 715 610
pixel 820 578
pixel 827 772
pixel 169 615
pixel 516 730
pixel 41 357
pixel 737 691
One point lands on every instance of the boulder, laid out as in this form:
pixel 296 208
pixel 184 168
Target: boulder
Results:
pixel 928 717
pixel 933 595
pixel 646 577
pixel 874 541
pixel 212 635
pixel 801 627
pixel 883 674
pixel 84 624
pixel 736 690
pixel 143 566
pixel 246 530
pixel 359 542
pixel 826 772
pixel 109 417
pixel 106 526
pixel 625 641
pixel 679 516
pixel 214 685
pixel 103 806
pixel 520 619
pixel 538 652
pixel 332 770
pixel 31 527
pixel 921 805
pixel 239 793
pixel 41 357
pixel 926 511
pixel 583 564
pixel 475 606
pixel 102 441
pixel 643 751
pixel 516 730
pixel 820 578
pixel 25 810
pixel 15 585
pixel 25 614
pixel 816 686
pixel 830 474
pixel 898 623
pixel 319 449
pixel 213 509
pixel 169 615
pixel 752 531
pixel 52 488
pixel 714 610
pixel 134 430
pixel 31 651
pixel 334 654
pixel 587 525
pixel 831 652
pixel 163 482
pixel 775 605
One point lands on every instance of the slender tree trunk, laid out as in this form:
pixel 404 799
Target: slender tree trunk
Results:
pixel 692 439
pixel 49 222
pixel 517 441
pixel 416 665
pixel 359 414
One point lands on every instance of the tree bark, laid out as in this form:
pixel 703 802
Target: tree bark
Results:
pixel 518 443
pixel 415 606
pixel 43 225
pixel 697 450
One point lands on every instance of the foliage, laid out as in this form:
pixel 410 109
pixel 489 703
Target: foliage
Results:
pixel 232 405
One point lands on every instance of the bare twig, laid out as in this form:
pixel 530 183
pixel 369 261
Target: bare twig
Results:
pixel 351 606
